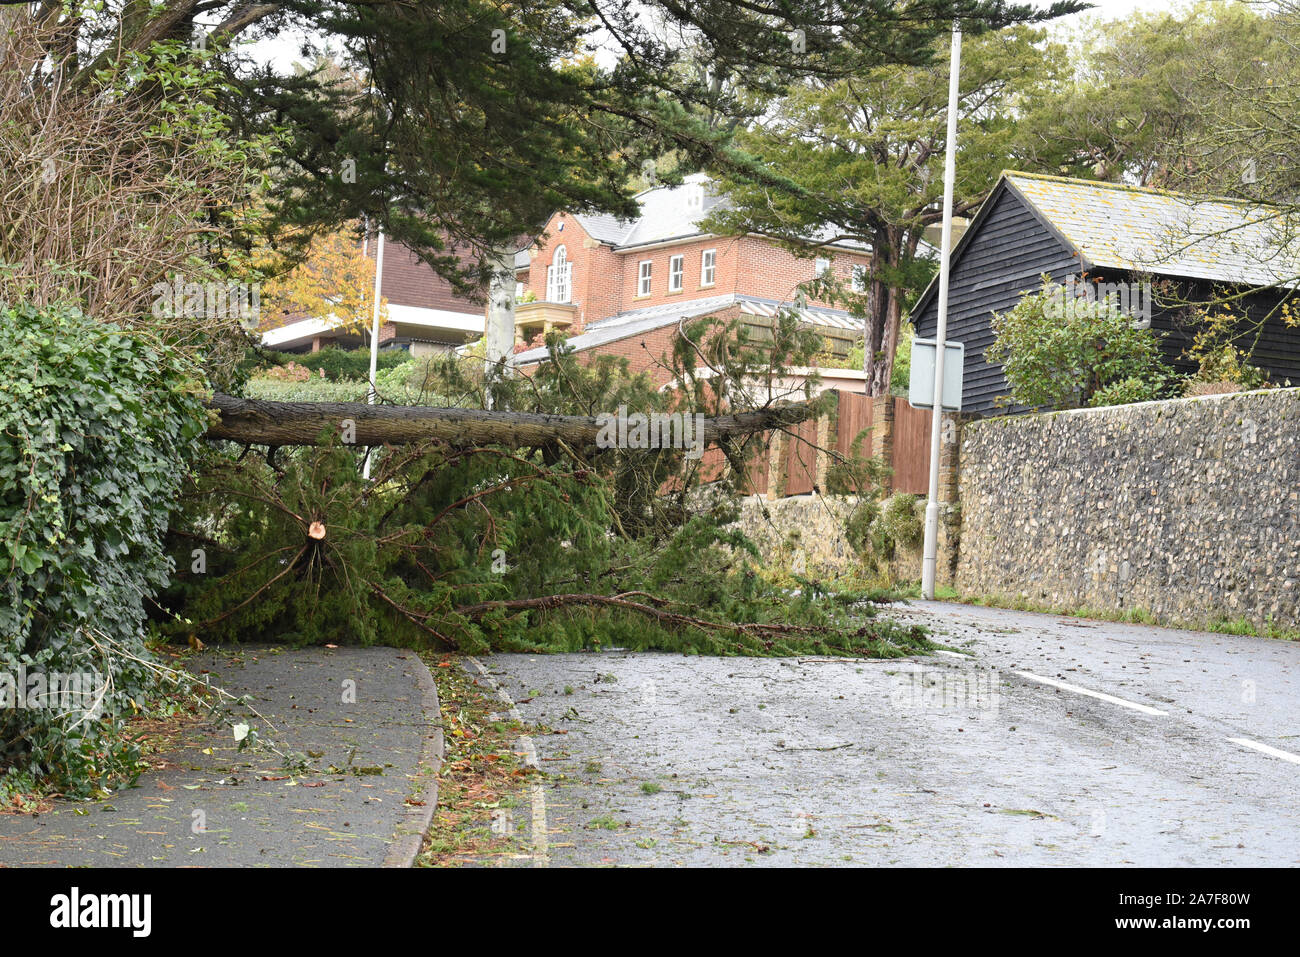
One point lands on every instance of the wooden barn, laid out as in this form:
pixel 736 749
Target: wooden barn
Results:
pixel 1189 250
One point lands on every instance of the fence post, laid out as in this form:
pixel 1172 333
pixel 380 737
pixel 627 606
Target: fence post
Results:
pixel 827 435
pixel 882 432
pixel 949 538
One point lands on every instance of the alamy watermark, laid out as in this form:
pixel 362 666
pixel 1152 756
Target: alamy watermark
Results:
pixel 66 692
pixel 654 430
pixel 240 301
pixel 938 689
pixel 1082 300
pixel 74 910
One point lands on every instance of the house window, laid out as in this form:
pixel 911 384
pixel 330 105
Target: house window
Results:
pixel 708 266
pixel 676 270
pixel 822 267
pixel 859 278
pixel 643 278
pixel 559 276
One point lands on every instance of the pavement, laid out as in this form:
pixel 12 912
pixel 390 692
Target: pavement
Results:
pixel 344 775
pixel 1039 740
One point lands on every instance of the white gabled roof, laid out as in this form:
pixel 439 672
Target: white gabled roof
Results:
pixel 667 213
pixel 1147 230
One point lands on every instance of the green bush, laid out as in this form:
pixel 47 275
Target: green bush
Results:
pixel 901 522
pixel 1065 356
pixel 902 377
pixel 97 427
pixel 342 363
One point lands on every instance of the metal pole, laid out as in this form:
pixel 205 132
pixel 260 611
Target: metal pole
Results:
pixel 931 550
pixel 371 394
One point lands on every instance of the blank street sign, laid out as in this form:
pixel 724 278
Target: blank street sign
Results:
pixel 920 389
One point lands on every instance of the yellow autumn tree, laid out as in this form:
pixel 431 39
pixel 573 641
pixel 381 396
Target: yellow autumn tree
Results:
pixel 335 278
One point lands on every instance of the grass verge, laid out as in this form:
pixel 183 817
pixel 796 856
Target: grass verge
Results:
pixel 482 783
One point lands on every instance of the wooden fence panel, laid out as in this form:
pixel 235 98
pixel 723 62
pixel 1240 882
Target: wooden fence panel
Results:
pixel 855 416
pixel 801 458
pixel 713 466
pixel 756 475
pixel 911 453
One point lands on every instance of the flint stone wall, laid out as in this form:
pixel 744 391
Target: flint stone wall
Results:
pixel 1188 509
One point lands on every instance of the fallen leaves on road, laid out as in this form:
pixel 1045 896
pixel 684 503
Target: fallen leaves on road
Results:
pixel 483 778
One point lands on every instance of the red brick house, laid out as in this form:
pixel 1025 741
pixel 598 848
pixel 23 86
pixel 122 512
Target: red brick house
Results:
pixel 424 314
pixel 621 287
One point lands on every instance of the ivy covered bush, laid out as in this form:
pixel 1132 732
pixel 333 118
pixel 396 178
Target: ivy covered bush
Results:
pixel 97 425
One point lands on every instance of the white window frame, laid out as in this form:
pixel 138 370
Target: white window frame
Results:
pixel 821 266
pixel 559 277
pixel 859 278
pixel 676 273
pixel 644 277
pixel 708 267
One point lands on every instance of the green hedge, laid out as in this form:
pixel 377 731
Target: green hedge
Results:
pixel 310 390
pixel 341 363
pixel 96 431
pixel 402 384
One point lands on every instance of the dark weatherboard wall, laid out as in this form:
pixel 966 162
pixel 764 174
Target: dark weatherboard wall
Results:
pixel 1008 248
pixel 1001 256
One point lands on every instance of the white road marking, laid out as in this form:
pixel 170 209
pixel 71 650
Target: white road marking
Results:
pixel 1264 748
pixel 1065 686
pixel 541 849
pixel 953 654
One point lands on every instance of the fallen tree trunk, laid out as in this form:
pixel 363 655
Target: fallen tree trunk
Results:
pixel 259 422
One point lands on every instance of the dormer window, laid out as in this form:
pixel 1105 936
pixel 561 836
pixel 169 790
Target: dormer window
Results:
pixel 694 195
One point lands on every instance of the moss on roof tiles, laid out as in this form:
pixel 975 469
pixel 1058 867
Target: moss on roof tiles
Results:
pixel 1140 228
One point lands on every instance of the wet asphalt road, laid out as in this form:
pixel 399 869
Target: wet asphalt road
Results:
pixel 947 760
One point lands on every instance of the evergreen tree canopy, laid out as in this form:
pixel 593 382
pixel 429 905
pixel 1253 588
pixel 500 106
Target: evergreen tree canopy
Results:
pixel 476 119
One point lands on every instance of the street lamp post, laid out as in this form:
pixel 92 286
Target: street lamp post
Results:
pixel 931 548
